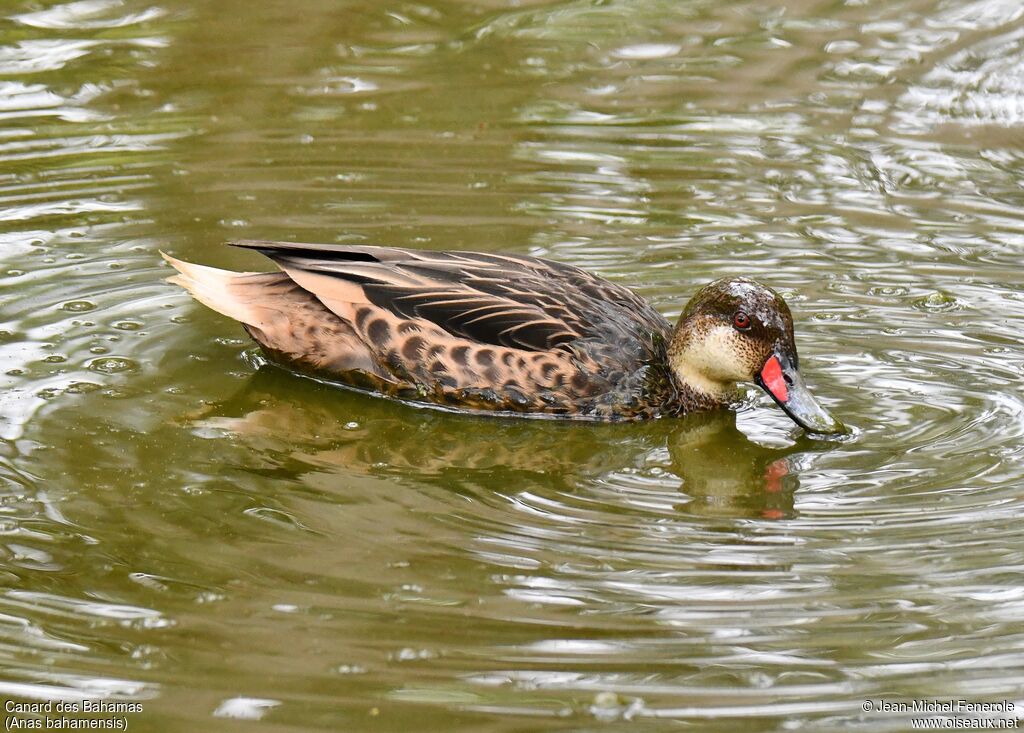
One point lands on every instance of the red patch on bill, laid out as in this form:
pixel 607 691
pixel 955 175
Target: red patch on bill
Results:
pixel 774 472
pixel 771 375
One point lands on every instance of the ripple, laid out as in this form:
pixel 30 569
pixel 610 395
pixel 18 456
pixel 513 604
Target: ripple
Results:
pixel 647 51
pixel 27 57
pixel 245 708
pixel 183 524
pixel 87 14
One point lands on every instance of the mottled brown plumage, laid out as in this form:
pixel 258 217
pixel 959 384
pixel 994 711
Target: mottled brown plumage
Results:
pixel 495 332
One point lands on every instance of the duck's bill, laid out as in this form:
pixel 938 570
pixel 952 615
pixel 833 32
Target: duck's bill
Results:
pixel 783 382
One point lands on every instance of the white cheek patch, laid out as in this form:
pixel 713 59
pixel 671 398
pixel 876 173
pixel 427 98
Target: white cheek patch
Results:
pixel 718 356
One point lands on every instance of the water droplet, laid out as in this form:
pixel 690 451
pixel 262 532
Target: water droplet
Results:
pixel 113 365
pixel 78 306
pixel 144 652
pixel 938 302
pixel 350 669
pixel 153 622
pixel 82 387
pixel 128 325
pixel 55 359
pixel 887 291
pixel 409 654
pixel 209 596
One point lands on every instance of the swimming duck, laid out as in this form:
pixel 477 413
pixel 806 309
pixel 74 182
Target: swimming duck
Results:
pixel 508 333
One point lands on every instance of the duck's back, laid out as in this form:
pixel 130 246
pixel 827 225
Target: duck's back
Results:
pixel 464 329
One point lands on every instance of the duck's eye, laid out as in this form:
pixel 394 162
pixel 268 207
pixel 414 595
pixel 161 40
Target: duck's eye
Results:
pixel 741 321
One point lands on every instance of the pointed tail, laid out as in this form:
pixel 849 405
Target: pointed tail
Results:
pixel 214 288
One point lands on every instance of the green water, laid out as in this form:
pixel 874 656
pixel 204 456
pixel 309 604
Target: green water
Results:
pixel 235 548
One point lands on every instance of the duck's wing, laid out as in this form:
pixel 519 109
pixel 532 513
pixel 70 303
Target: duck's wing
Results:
pixel 508 300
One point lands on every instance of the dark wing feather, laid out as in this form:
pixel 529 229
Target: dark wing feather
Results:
pixel 502 299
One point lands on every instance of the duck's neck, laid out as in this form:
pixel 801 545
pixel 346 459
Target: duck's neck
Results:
pixel 690 361
pixel 701 389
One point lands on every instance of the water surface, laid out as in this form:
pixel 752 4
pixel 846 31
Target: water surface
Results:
pixel 227 544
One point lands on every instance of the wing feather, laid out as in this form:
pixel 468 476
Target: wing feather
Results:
pixel 500 299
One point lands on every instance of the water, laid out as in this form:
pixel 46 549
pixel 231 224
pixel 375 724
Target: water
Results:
pixel 225 544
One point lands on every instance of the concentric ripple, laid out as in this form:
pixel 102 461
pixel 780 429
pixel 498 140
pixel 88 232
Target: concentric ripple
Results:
pixel 230 545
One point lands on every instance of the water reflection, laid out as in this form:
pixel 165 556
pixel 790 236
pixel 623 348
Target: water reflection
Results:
pixel 303 427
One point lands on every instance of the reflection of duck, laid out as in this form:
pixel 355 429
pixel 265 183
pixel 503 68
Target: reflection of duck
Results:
pixel 728 474
pixel 721 470
pixel 508 333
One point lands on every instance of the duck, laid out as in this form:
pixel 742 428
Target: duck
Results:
pixel 508 333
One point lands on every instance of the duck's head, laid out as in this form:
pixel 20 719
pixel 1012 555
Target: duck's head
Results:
pixel 737 330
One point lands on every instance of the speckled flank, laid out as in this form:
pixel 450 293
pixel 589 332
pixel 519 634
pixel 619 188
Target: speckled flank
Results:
pixel 483 331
